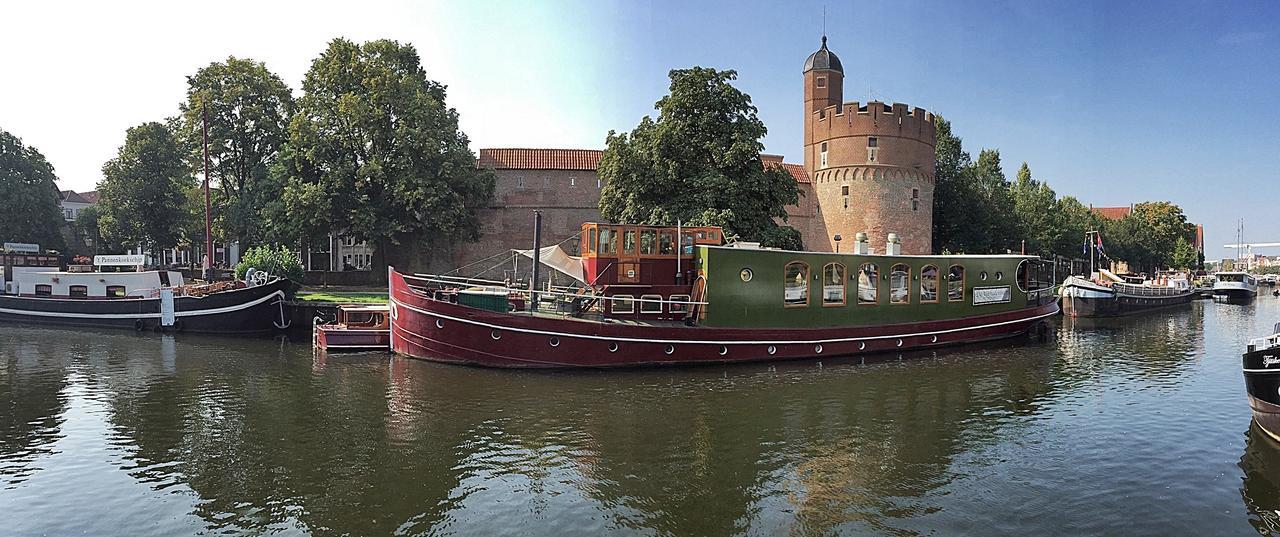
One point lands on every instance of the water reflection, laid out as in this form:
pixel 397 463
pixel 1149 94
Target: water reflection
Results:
pixel 1261 488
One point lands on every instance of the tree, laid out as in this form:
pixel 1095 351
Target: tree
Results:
pixel 86 226
pixel 998 224
pixel 248 110
pixel 699 163
pixel 953 199
pixel 1183 255
pixel 1037 214
pixel 29 189
pixel 143 200
pixel 375 153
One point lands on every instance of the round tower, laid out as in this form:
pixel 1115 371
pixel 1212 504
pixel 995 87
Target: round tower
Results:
pixel 872 165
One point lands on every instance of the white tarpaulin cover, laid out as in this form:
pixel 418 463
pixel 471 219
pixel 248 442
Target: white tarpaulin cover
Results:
pixel 554 257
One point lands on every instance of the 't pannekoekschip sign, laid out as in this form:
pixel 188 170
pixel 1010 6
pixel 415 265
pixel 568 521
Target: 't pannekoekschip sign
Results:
pixel 119 260
pixel 22 247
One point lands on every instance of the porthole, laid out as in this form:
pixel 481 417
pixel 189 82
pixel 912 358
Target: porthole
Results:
pixel 746 274
pixel 496 335
pixel 934 340
pixel 772 349
pixel 862 345
pixel 999 275
pixel 724 350
pixel 670 349
pixel 982 276
pixel 613 347
pixel 555 341
pixel 817 349
pixel 395 314
pixel 439 323
pixel 899 342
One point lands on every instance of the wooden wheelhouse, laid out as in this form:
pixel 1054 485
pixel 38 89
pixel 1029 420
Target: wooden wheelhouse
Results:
pixel 647 272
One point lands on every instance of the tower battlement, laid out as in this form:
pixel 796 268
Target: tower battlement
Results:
pixel 873 118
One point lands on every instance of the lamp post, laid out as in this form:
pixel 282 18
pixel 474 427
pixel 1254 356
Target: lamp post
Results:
pixel 837 239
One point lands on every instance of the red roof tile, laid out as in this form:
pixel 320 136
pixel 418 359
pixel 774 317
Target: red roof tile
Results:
pixel 1112 213
pixel 797 171
pixel 540 159
pixel 90 196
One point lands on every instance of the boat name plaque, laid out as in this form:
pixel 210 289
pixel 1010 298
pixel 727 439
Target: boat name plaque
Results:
pixel 119 260
pixel 991 295
pixel 22 247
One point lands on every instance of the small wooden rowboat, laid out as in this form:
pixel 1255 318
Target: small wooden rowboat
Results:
pixel 357 328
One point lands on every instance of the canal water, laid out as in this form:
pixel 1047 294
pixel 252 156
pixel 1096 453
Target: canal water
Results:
pixel 1125 427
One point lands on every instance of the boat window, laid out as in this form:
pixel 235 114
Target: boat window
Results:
pixel 678 303
pixel 955 284
pixel 44 290
pixel 629 241
pixel 650 303
pixel 796 285
pixel 982 275
pixel 648 242
pixel 833 284
pixel 78 291
pixel 588 240
pixel 868 284
pixel 622 304
pixel 666 243
pixel 115 291
pixel 999 275
pixel 1023 275
pixel 929 284
pixel 899 284
pixel 609 241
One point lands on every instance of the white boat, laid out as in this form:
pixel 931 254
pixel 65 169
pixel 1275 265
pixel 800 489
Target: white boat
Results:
pixel 1238 286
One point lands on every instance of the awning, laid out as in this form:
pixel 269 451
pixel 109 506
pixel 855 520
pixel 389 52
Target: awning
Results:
pixel 557 259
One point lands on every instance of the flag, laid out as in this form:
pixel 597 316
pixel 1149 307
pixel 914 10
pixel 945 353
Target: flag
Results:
pixel 1099 242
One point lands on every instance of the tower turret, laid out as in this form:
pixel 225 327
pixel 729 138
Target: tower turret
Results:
pixel 823 87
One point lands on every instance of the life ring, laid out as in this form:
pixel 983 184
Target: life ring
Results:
pixel 139 325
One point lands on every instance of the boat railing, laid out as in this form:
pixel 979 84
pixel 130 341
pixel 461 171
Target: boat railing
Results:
pixel 553 293
pixel 1268 342
pixel 1145 290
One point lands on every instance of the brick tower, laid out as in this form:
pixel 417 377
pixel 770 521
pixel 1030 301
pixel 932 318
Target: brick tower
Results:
pixel 871 165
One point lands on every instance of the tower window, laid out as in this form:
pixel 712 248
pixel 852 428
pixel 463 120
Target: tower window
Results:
pixel 573 181
pixel 872 149
pixel 520 182
pixel 844 190
pixel 822 82
pixel 822 159
pixel 915 199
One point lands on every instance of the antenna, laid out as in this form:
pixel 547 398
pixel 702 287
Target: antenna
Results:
pixel 824 21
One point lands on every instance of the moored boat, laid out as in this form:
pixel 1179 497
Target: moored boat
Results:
pixel 141 300
pixel 662 296
pixel 1111 295
pixel 1235 286
pixel 1261 364
pixel 361 327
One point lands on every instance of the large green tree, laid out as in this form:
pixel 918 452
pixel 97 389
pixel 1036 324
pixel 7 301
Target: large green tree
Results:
pixel 376 153
pixel 30 196
pixel 953 195
pixel 998 223
pixel 1036 212
pixel 248 109
pixel 699 162
pixel 143 191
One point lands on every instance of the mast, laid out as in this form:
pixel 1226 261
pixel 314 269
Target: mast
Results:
pixel 208 233
pixel 680 249
pixel 537 262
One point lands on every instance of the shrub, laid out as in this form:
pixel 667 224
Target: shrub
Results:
pixel 277 261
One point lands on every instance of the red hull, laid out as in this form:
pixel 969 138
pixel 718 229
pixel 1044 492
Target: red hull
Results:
pixel 441 331
pixel 331 338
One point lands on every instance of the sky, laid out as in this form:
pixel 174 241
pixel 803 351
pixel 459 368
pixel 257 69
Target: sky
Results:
pixel 1111 102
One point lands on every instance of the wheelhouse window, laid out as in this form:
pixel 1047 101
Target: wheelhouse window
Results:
pixel 622 304
pixel 929 284
pixel 796 290
pixel 44 290
pixel 900 284
pixel 608 241
pixel 678 303
pixel 834 283
pixel 666 243
pixel 650 303
pixel 868 284
pixel 115 291
pixel 648 242
pixel 591 241
pixel 78 291
pixel 629 241
pixel 955 284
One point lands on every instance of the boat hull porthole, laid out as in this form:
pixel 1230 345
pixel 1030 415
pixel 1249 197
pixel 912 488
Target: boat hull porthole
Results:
pixel 724 350
pixel 439 323
pixel 772 349
pixel 899 342
pixel 496 335
pixel 817 349
pixel 555 342
pixel 934 340
pixel 613 347
pixel 862 345
pixel 670 349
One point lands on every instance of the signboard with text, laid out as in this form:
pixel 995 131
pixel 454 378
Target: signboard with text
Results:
pixel 992 295
pixel 22 247
pixel 119 260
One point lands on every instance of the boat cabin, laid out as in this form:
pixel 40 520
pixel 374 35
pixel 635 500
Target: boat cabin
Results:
pixel 642 255
pixel 40 276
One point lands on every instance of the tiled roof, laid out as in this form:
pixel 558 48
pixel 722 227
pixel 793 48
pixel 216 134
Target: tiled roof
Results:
pixel 90 196
pixel 73 197
pixel 582 159
pixel 1112 213
pixel 540 159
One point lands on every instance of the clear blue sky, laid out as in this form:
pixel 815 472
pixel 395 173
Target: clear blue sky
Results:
pixel 1111 102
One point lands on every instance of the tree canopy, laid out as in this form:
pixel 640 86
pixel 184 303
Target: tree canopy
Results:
pixel 143 191
pixel 248 110
pixel 30 192
pixel 699 162
pixel 375 152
